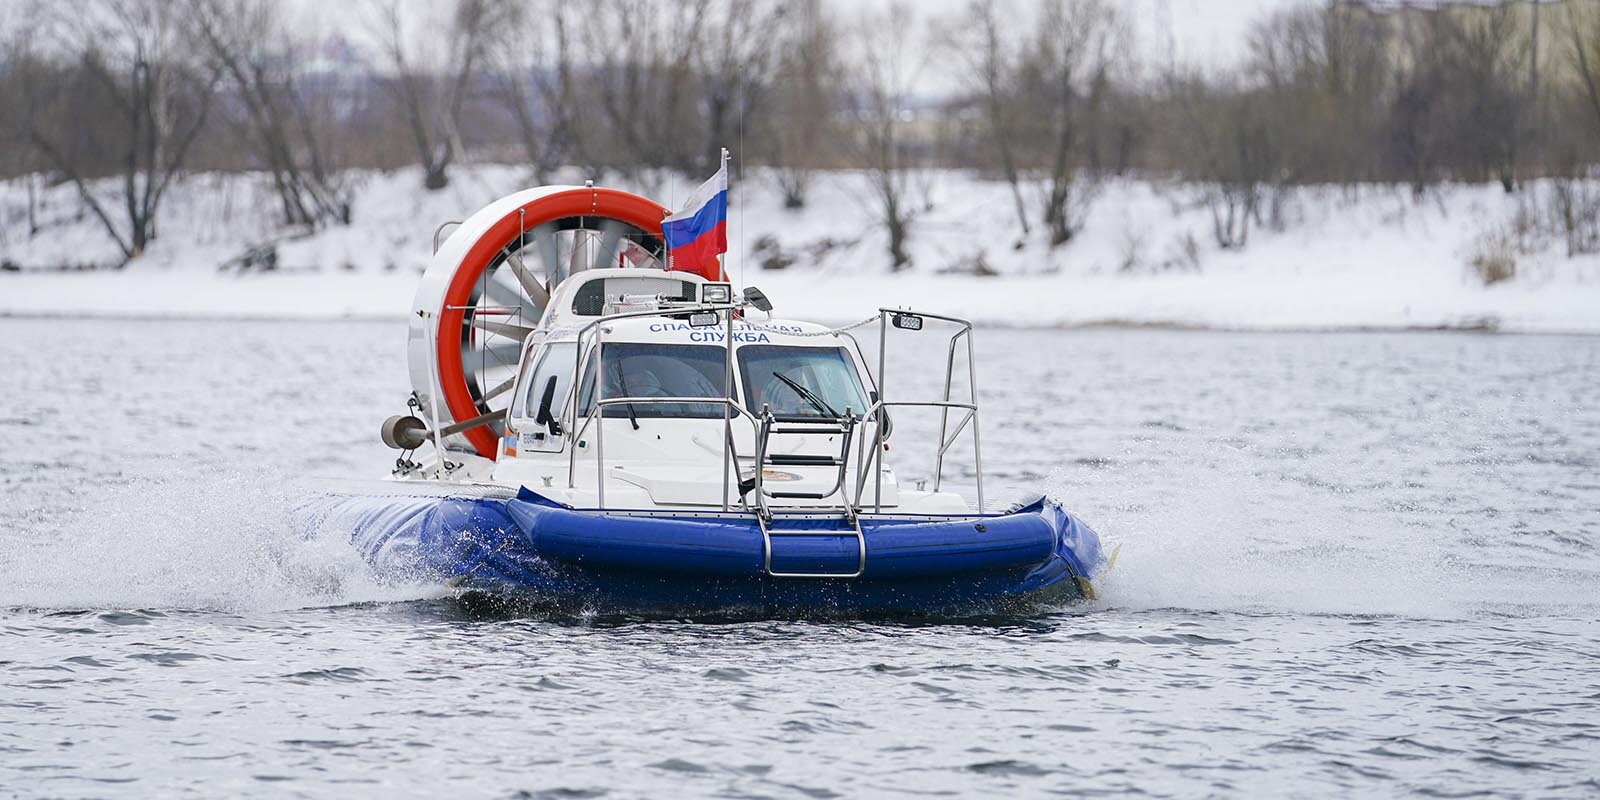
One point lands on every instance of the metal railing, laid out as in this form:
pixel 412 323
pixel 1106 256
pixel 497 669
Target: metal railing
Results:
pixel 844 427
pixel 590 346
pixel 438 233
pixel 874 456
pixel 596 415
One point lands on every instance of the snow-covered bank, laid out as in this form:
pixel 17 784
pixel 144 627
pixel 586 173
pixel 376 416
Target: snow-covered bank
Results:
pixel 1343 258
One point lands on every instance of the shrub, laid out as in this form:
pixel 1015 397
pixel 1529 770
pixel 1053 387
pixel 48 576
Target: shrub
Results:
pixel 1574 208
pixel 1494 257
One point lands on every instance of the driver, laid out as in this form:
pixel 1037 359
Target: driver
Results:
pixel 654 376
pixel 784 399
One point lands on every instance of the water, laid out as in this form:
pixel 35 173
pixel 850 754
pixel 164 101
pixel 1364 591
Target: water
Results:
pixel 1350 563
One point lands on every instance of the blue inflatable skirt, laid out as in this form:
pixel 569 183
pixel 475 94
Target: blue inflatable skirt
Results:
pixel 671 562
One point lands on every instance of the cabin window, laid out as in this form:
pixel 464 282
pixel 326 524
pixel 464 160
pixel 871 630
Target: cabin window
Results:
pixel 657 370
pixel 801 382
pixel 558 361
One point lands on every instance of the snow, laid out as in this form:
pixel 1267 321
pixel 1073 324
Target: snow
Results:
pixel 1342 257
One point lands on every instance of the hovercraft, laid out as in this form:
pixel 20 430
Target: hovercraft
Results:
pixel 591 428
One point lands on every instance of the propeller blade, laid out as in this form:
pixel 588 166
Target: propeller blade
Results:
pixel 580 240
pixel 506 329
pixel 503 296
pixel 502 388
pixel 610 236
pixel 549 252
pixel 530 284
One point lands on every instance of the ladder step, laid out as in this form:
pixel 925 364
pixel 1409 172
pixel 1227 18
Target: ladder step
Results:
pixel 801 460
pixel 770 426
pixel 798 495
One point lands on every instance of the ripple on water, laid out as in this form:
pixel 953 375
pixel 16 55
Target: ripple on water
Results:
pixel 1008 767
pixel 1351 565
pixel 330 675
pixel 170 658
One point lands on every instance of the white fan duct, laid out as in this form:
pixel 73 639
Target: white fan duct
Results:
pixel 486 288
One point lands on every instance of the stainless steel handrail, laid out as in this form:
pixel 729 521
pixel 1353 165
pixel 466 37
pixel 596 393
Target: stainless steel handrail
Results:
pixel 766 549
pixel 876 453
pixel 439 231
pixel 944 416
pixel 843 426
pixel 596 329
pixel 945 405
pixel 591 417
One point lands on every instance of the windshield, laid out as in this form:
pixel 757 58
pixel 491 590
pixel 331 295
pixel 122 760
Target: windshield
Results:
pixel 657 370
pixel 801 382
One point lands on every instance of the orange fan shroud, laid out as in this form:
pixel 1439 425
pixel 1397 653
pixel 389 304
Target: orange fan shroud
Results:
pixel 632 209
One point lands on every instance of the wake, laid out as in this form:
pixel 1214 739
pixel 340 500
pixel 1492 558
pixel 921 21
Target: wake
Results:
pixel 232 543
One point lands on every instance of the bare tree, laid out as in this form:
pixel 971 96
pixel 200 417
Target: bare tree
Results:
pixel 735 68
pixel 1066 76
pixel 1413 130
pixel 16 158
pixel 1341 91
pixel 989 56
pixel 641 80
pixel 131 59
pixel 885 69
pixel 17 63
pixel 1227 148
pixel 800 123
pixel 246 40
pixel 431 88
pixel 1489 56
pixel 1322 72
pixel 535 80
pixel 1583 53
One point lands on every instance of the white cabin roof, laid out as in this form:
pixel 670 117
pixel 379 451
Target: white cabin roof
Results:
pixel 585 295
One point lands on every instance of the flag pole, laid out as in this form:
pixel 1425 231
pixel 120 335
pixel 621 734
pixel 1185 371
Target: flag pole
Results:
pixel 721 259
pixel 666 251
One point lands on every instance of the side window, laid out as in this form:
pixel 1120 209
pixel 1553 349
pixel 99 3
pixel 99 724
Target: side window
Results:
pixel 558 361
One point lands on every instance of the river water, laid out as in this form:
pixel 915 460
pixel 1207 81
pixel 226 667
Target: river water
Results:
pixel 1350 564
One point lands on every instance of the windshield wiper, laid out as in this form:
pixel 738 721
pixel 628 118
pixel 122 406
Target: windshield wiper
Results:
pixel 622 380
pixel 806 394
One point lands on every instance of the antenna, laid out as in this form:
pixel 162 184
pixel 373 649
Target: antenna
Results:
pixel 744 232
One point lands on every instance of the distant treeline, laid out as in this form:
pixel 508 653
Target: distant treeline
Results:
pixel 1049 93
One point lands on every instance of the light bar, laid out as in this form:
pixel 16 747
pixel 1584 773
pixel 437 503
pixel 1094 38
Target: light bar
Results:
pixel 906 322
pixel 716 292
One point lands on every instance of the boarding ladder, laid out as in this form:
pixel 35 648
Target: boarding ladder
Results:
pixel 769 516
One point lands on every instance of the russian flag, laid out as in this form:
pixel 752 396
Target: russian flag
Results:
pixel 699 233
